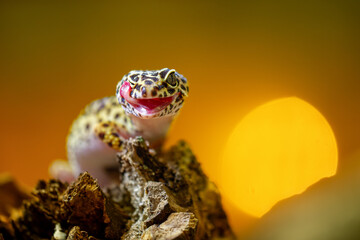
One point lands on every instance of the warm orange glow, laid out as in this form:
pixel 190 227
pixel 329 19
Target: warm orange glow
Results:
pixel 276 151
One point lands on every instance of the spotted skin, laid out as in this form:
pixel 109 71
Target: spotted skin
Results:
pixel 101 128
pixel 108 132
pixel 90 122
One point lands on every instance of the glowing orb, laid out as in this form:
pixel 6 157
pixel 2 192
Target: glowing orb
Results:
pixel 276 151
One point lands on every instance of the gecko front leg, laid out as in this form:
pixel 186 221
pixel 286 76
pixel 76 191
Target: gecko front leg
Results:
pixel 110 134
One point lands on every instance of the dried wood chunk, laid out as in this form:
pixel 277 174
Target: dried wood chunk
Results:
pixel 11 194
pixel 165 196
pixel 85 205
pixel 178 226
pixel 170 185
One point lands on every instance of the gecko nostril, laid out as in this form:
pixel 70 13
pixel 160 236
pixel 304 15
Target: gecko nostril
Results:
pixel 154 92
pixel 143 92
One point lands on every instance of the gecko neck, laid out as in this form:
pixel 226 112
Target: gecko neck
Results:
pixel 153 130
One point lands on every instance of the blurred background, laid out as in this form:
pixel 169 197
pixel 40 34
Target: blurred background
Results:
pixel 55 57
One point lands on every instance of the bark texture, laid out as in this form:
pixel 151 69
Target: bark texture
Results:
pixel 159 197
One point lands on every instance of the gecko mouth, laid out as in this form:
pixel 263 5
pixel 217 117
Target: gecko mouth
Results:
pixel 146 106
pixel 150 106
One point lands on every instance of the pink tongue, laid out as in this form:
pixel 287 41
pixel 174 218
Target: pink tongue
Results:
pixel 151 105
pixel 145 105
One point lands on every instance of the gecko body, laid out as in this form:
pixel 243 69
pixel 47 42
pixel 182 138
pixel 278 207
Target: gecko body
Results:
pixel 144 105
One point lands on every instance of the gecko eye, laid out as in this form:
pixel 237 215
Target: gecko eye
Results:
pixel 171 80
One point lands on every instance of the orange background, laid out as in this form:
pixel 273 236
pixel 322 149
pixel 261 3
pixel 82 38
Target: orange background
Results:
pixel 57 57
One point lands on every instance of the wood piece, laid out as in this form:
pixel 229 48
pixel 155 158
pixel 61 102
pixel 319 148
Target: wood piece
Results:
pixel 159 197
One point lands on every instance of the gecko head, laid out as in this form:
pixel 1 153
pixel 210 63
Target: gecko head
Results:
pixel 152 94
